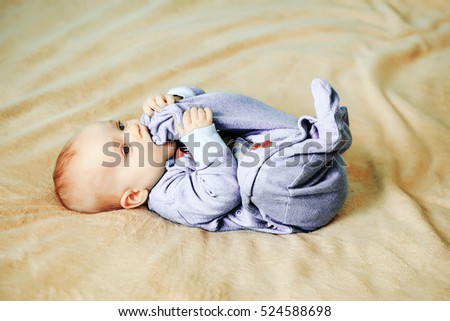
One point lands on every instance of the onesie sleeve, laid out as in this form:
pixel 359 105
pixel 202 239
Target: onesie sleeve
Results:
pixel 197 192
pixel 204 143
pixel 186 91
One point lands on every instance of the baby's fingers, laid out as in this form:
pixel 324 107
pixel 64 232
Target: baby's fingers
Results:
pixel 150 106
pixel 164 100
pixel 201 115
pixel 170 99
pixel 187 119
pixel 208 114
pixel 178 127
pixel 147 109
pixel 160 103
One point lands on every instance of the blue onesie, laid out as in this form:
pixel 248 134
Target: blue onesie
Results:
pixel 278 174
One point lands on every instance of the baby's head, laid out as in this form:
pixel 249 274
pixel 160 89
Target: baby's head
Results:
pixel 109 165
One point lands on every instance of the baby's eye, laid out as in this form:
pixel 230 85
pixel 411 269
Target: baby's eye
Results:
pixel 126 150
pixel 120 125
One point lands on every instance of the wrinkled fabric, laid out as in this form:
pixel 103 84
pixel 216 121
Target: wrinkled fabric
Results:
pixel 65 64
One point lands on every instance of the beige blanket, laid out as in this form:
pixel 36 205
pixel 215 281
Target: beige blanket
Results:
pixel 66 63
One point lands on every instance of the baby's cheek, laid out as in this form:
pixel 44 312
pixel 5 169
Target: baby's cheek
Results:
pixel 158 154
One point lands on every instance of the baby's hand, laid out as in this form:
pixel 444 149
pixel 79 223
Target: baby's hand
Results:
pixel 193 119
pixel 158 102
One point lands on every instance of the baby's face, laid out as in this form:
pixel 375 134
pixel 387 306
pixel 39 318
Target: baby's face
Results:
pixel 119 156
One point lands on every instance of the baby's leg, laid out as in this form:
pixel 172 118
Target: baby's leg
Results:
pixel 305 184
pixel 301 191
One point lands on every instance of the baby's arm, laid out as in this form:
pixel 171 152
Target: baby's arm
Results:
pixel 197 194
pixel 200 136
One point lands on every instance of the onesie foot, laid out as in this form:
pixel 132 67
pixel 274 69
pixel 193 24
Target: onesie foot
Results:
pixel 343 112
pixel 331 126
pixel 326 99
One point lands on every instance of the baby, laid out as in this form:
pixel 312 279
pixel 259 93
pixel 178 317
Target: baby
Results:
pixel 276 174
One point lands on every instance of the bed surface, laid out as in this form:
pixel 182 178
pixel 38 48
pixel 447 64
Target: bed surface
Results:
pixel 64 64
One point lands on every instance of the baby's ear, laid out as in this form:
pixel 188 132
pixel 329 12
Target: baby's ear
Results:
pixel 133 198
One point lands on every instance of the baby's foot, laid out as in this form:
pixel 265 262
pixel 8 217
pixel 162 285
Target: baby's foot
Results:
pixel 343 112
pixel 326 99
